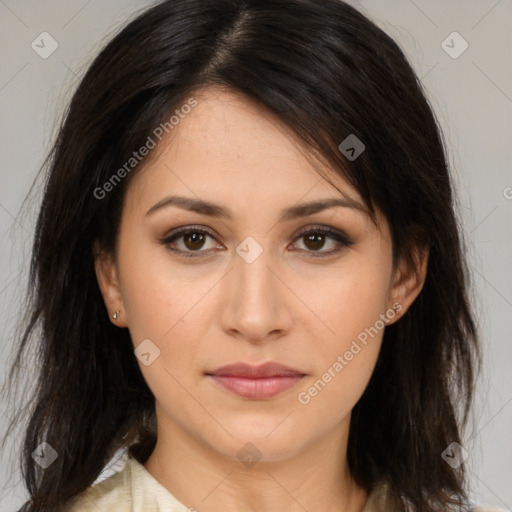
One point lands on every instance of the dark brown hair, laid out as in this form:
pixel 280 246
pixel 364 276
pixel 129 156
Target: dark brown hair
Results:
pixel 327 71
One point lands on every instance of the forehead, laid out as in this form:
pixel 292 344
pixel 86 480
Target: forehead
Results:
pixel 228 145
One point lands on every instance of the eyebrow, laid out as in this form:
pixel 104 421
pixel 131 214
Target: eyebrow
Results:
pixel 297 211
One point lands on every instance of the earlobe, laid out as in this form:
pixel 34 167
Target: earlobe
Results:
pixel 108 282
pixel 409 278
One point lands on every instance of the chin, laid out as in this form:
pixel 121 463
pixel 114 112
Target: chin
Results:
pixel 263 443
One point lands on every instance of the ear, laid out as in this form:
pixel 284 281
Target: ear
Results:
pixel 408 280
pixel 108 282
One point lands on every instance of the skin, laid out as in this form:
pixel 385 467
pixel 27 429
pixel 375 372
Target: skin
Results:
pixel 286 306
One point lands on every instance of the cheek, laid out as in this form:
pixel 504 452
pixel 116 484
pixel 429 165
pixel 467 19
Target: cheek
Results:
pixel 154 297
pixel 338 387
pixel 347 299
pixel 352 307
pixel 165 307
pixel 345 356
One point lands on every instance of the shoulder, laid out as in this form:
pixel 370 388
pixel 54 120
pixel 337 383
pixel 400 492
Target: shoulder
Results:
pixel 488 509
pixel 380 501
pixel 132 489
pixel 112 494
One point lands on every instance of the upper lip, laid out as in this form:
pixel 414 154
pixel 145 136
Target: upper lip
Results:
pixel 269 369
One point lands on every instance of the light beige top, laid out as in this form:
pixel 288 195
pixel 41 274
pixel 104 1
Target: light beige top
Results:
pixel 134 489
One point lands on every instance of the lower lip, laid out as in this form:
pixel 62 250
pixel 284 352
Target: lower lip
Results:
pixel 257 389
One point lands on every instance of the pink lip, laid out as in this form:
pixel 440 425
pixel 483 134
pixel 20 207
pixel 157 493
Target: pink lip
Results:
pixel 256 382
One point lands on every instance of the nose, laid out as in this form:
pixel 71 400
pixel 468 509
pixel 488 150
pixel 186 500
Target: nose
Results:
pixel 257 300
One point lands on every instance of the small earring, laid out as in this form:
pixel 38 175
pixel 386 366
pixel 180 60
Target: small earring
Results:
pixel 115 315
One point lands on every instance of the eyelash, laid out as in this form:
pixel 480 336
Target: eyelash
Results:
pixel 336 235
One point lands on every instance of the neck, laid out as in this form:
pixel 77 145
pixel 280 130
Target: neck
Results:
pixel 316 478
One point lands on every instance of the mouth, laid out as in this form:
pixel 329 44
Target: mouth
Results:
pixel 256 382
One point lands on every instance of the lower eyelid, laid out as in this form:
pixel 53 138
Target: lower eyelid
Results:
pixel 341 239
pixel 177 236
pixel 340 244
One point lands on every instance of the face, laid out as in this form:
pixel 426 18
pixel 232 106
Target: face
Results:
pixel 254 279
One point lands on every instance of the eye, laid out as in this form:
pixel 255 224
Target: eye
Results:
pixel 315 239
pixel 189 241
pixel 193 240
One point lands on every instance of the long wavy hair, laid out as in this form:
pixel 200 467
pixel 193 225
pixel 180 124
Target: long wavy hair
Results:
pixel 327 71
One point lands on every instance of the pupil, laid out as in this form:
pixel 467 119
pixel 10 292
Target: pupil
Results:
pixel 196 239
pixel 319 240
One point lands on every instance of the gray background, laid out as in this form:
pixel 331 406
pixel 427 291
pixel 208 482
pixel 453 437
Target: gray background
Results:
pixel 472 97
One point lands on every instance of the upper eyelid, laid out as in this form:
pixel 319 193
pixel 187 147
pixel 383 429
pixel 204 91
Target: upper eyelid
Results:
pixel 329 230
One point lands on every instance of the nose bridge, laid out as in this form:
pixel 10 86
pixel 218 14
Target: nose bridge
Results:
pixel 255 306
pixel 252 270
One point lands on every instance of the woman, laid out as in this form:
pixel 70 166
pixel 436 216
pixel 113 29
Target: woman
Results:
pixel 248 274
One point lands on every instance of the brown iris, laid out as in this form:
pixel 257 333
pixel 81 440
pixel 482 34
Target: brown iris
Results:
pixel 194 240
pixel 316 240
